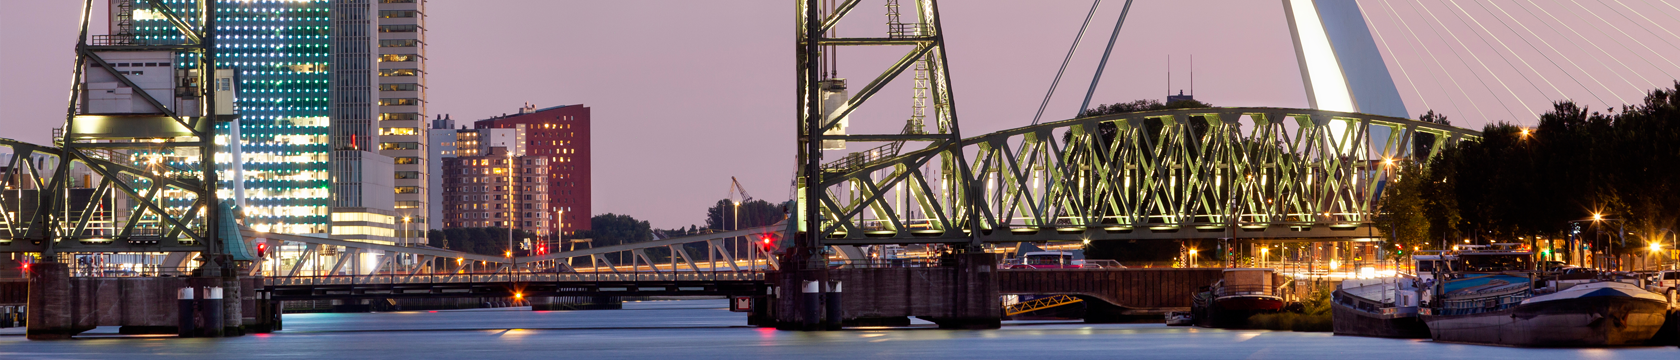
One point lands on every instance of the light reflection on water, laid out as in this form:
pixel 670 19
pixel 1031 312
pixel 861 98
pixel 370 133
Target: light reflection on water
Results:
pixel 704 329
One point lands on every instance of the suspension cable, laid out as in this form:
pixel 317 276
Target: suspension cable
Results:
pixel 1485 67
pixel 1397 63
pixel 1507 49
pixel 1642 26
pixel 1548 57
pixel 1438 64
pixel 1625 34
pixel 1104 63
pixel 1065 60
pixel 1583 49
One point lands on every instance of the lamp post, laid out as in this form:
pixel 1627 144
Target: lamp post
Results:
pixel 404 238
pixel 737 240
pixel 511 210
pixel 1621 234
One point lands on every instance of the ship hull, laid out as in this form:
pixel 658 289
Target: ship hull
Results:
pixel 1349 321
pixel 1234 311
pixel 1575 322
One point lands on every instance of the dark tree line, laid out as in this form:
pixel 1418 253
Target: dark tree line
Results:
pixel 616 229
pixel 484 241
pixel 1533 182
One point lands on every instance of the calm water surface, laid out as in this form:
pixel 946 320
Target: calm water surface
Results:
pixel 703 329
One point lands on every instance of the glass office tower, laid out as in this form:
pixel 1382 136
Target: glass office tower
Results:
pixel 280 50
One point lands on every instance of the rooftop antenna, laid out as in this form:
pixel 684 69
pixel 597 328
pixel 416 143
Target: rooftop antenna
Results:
pixel 1192 75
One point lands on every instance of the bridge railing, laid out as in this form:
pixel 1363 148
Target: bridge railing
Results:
pixel 303 260
pixel 431 279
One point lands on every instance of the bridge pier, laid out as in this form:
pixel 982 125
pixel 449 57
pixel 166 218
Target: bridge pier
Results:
pixel 52 309
pixel 961 295
pixel 61 306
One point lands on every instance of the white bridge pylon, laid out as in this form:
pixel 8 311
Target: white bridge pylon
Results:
pixel 296 260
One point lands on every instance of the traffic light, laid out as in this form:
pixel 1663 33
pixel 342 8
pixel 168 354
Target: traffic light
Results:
pixel 262 249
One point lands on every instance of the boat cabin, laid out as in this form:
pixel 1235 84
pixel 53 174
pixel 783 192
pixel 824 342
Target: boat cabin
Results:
pixel 1245 281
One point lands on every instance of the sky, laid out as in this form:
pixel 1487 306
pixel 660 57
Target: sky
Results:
pixel 687 94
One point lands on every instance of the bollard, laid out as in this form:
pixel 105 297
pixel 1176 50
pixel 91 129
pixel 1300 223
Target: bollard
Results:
pixel 212 310
pixel 811 296
pixel 184 312
pixel 832 300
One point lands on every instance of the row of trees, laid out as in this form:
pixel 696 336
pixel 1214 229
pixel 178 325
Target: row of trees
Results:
pixel 1533 182
pixel 614 229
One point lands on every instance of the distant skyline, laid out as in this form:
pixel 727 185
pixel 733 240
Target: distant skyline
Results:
pixel 687 94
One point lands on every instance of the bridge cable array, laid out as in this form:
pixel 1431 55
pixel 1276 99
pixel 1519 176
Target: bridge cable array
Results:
pixel 1638 79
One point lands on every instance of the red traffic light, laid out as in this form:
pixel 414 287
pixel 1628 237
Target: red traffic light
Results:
pixel 262 249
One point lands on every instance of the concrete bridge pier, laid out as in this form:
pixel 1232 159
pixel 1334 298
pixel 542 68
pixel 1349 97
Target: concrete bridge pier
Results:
pixel 52 309
pixel 963 294
pixel 61 306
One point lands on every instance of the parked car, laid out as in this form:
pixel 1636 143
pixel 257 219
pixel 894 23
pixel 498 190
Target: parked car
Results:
pixel 1667 282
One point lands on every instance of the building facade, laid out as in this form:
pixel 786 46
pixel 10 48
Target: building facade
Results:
pixel 323 86
pixel 402 105
pixel 281 52
pixel 560 133
pixel 440 143
pixel 496 189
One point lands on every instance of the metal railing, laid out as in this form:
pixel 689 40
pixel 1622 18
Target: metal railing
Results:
pixel 510 278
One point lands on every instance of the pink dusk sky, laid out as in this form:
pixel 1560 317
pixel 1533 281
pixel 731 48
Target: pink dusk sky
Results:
pixel 686 94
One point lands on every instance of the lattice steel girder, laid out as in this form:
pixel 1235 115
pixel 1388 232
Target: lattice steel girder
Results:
pixel 1187 173
pixel 173 206
pixel 821 208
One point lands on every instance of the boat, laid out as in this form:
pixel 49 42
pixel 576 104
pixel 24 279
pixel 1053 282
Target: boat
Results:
pixel 1491 296
pixel 1386 307
pixel 1179 318
pixel 1238 294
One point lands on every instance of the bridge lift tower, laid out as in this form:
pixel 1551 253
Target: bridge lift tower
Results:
pixel 140 125
pixel 824 108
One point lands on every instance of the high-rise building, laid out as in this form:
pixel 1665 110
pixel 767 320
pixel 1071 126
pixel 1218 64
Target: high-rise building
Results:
pixel 560 133
pixel 497 188
pixel 440 144
pixel 402 104
pixel 362 199
pixel 329 91
pixel 281 52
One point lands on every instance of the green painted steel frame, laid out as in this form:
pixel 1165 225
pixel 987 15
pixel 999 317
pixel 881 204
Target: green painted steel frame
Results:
pixel 1248 172
pixel 147 191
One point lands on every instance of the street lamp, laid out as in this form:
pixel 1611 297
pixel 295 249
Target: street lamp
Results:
pixel 737 239
pixel 1621 232
pixel 404 237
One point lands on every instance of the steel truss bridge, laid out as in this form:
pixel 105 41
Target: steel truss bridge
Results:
pixel 1178 174
pixel 1272 173
pixel 1175 174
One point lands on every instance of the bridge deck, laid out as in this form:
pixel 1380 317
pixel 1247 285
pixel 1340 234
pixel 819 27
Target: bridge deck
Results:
pixel 505 285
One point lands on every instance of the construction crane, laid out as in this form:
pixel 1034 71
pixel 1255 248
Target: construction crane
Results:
pixel 735 188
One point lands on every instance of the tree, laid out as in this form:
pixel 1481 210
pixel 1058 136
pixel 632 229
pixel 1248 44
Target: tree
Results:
pixel 1405 204
pixel 483 241
pixel 613 229
pixel 721 216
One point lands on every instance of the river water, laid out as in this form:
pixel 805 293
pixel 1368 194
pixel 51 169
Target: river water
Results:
pixel 704 329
